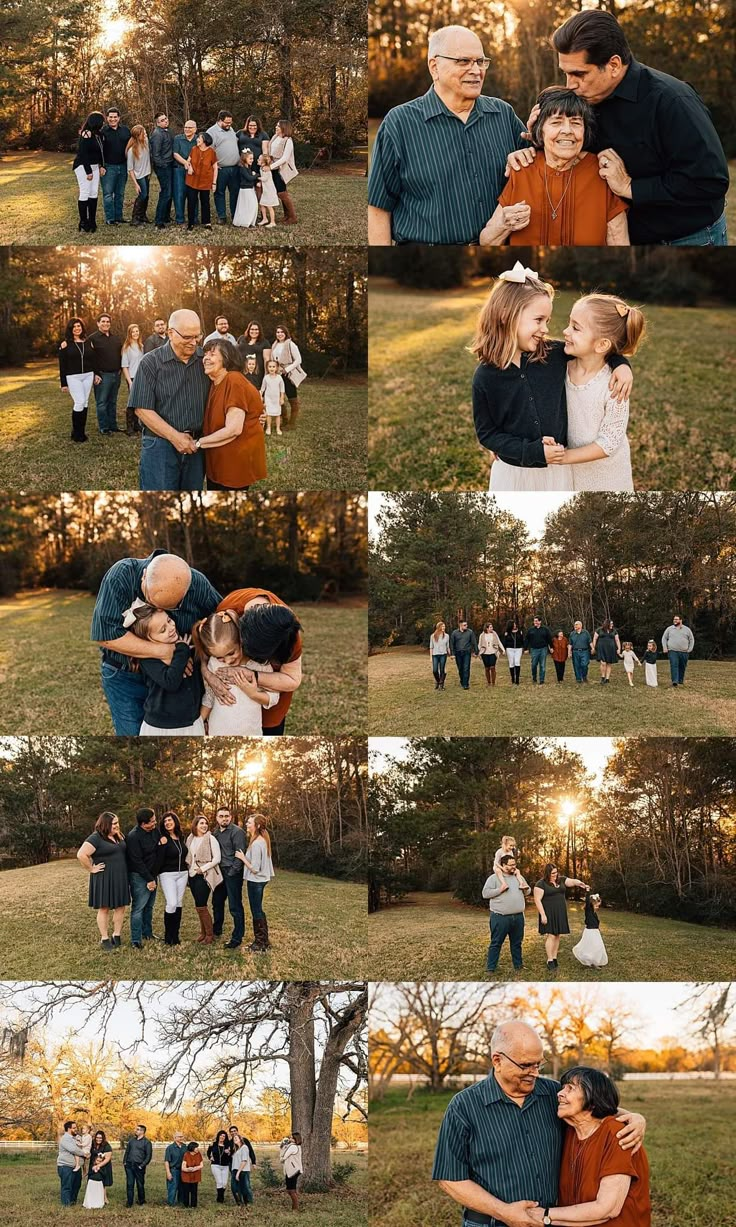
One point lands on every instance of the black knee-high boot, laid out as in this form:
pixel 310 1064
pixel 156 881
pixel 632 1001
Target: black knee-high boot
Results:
pixel 220 1194
pixel 83 223
pixel 92 215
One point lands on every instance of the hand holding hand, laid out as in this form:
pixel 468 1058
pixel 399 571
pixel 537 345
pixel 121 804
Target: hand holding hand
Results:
pixel 517 1214
pixel 183 443
pixel 554 453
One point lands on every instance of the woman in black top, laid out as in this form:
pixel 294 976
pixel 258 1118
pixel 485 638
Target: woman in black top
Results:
pixel 549 900
pixel 251 136
pixel 220 1154
pixel 88 165
pixel 173 875
pixel 513 641
pixel 78 373
pixel 103 856
pixel 253 342
pixel 99 1178
pixel 607 648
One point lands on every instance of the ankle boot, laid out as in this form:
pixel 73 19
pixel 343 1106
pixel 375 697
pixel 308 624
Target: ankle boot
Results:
pixel 83 223
pixel 92 215
pixel 493 676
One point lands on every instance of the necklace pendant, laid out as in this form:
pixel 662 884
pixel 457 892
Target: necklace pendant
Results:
pixel 554 215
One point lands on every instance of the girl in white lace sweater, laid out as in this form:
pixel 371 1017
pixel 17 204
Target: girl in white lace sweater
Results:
pixel 217 640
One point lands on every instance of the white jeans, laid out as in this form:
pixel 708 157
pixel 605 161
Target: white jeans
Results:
pixel 80 387
pixel 190 730
pixel 221 1174
pixel 514 655
pixel 173 885
pixel 88 188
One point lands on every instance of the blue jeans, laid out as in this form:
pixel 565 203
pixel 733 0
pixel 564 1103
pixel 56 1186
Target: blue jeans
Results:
pixel 244 1188
pixel 106 401
pixel 71 1183
pixel 539 661
pixel 678 665
pixel 438 667
pixel 163 208
pixel 141 908
pixel 501 928
pixel 179 186
pixel 715 235
pixel 163 468
pixel 580 663
pixel 227 178
pixel 113 192
pixel 173 1187
pixel 230 888
pixel 125 693
pixel 255 899
pixel 462 660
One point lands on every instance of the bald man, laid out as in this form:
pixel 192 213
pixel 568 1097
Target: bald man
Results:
pixel 166 581
pixel 500 1143
pixel 169 396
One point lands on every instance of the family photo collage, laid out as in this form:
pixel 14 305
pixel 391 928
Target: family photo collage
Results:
pixel 368 613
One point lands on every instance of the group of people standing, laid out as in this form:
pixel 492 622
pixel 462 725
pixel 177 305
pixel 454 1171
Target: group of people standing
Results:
pixel 231 1157
pixel 213 861
pixel 538 641
pixel 245 168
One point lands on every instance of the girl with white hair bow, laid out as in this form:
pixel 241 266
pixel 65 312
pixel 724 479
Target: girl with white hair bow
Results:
pixel 173 695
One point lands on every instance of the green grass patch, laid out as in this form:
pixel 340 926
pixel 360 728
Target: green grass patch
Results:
pixel 688 1142
pixel 326 452
pixel 682 428
pixel 402 702
pixel 29 1195
pixel 317 927
pixel 39 193
pixel 49 668
pixel 435 937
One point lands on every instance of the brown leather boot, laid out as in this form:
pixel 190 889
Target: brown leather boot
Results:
pixel 290 218
pixel 294 408
pixel 493 675
pixel 202 912
pixel 209 935
pixel 488 676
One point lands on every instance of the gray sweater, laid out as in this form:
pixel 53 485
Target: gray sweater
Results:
pixel 678 639
pixel 69 1151
pixel 225 145
pixel 257 854
pixel 506 902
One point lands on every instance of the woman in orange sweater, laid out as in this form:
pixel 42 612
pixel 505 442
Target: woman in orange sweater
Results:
pixel 200 180
pixel 560 651
pixel 191 1174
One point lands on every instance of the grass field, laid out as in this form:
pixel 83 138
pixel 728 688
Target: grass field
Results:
pixel 434 937
pixel 402 702
pixel 39 193
pixel 689 1143
pixel 326 452
pixel 50 675
pixel 682 428
pixel 317 927
pixel 29 1196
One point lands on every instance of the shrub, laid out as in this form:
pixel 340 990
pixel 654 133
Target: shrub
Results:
pixel 341 1172
pixel 268 1176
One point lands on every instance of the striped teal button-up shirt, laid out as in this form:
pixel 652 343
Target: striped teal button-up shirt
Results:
pixel 176 390
pixel 438 177
pixel 511 1152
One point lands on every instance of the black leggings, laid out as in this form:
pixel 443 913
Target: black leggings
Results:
pixel 193 195
pixel 189 1194
pixel 200 888
pixel 560 669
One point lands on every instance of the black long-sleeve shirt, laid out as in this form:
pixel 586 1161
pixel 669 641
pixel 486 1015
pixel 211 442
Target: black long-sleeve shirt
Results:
pixel 247 176
pixel 161 147
pixel 89 152
pixel 114 141
pixel 662 131
pixel 143 852
pixel 78 358
pixel 514 408
pixel 538 637
pixel 463 641
pixel 513 639
pixel 173 701
pixel 108 350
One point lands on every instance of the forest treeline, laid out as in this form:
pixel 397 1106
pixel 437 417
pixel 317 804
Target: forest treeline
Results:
pixel 313 791
pixel 658 837
pixel 302 546
pixel 319 294
pixel 689 39
pixel 292 59
pixel 634 558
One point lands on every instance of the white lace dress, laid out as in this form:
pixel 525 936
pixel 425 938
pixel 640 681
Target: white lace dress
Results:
pixel 593 416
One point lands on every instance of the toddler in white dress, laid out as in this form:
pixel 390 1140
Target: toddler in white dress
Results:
pixel 269 195
pixel 630 659
pixel 591 950
pixel 273 391
pixel 217 638
pixel 650 664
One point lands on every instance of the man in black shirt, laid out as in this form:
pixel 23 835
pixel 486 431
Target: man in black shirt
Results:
pixel 115 137
pixel 157 338
pixel 108 355
pixel 138 1154
pixel 143 854
pixel 538 642
pixel 463 643
pixel 231 839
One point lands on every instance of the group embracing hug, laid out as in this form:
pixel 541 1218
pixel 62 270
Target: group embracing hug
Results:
pixel 622 154
pixel 180 660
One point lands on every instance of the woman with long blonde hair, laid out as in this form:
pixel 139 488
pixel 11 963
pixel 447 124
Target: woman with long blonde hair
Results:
pixel 138 161
pixel 258 873
pixel 439 647
pixel 130 361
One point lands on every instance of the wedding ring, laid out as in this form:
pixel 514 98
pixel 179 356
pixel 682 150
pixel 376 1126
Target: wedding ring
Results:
pixel 604 162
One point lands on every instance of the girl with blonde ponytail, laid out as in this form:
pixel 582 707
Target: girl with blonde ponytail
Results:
pixel 601 327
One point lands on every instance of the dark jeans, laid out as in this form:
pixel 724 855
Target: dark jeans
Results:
pixel 200 888
pixel 539 661
pixel 462 660
pixel 194 195
pixel 163 468
pixel 178 188
pixel 71 1183
pixel 501 928
pixel 164 174
pixel 141 908
pixel 560 669
pixel 174 1187
pixel 438 667
pixel 189 1194
pixel 126 694
pixel 228 179
pixel 255 899
pixel 580 663
pixel 106 400
pixel 135 1179
pixel 710 236
pixel 231 888
pixel 277 730
pixel 244 1188
pixel 678 665
pixel 113 192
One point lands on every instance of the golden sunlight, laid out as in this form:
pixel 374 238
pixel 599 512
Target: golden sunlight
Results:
pixel 113 28
pixel 253 768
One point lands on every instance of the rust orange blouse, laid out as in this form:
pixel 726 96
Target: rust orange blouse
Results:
pixel 587 207
pixel 243 460
pixel 559 648
pixel 202 174
pixel 584 1165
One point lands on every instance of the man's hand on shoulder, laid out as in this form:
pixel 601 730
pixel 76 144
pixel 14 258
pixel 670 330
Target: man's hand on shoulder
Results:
pixel 519 159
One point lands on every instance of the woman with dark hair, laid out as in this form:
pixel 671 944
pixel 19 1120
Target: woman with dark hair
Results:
pixel 232 438
pixel 258 873
pixel 78 374
pixel 191 1174
pixel 513 641
pixel 607 648
pixel 283 168
pixel 560 198
pixel 99 1179
pixel 269 633
pixel 88 165
pixel 173 875
pixel 200 180
pixel 253 344
pixel 549 900
pixel 599 1181
pixel 251 136
pixel 220 1153
pixel 285 678
pixel 103 855
pixel 203 859
pixel 285 351
pixel 560 650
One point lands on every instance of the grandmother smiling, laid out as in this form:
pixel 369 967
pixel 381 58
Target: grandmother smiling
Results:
pixel 560 199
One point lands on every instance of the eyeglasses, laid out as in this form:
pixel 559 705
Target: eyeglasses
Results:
pixel 196 339
pixel 464 61
pixel 528 1067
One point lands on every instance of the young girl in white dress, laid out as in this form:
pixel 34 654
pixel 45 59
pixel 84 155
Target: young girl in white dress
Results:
pixel 269 195
pixel 273 391
pixel 590 950
pixel 246 210
pixel 601 326
pixel 650 664
pixel 217 640
pixel 630 659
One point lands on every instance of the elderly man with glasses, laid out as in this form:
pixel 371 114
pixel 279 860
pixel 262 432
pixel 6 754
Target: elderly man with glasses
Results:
pixel 500 1143
pixel 169 396
pixel 438 164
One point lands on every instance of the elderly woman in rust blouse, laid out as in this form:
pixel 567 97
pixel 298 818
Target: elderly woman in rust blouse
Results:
pixel 560 199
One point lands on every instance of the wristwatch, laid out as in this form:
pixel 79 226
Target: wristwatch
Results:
pixel 547 1220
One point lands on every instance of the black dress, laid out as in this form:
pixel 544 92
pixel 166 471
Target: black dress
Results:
pixel 105 1173
pixel 554 906
pixel 110 888
pixel 605 649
